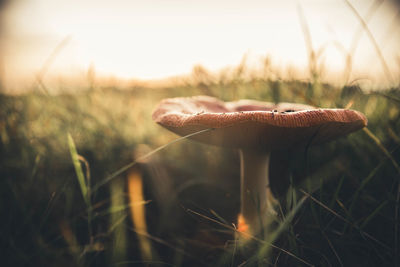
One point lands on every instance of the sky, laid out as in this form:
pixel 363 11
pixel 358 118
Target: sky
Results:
pixel 156 39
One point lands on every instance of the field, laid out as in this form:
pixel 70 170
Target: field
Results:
pixel 88 179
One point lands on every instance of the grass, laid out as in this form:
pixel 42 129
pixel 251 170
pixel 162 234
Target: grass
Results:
pixel 68 196
pixel 88 179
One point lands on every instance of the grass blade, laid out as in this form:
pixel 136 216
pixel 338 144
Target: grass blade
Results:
pixel 78 169
pixel 83 184
pixel 373 41
pixel 373 214
pixel 138 213
pixel 265 249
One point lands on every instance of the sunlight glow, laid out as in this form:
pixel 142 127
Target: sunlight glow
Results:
pixel 157 39
pixel 243 227
pixel 138 212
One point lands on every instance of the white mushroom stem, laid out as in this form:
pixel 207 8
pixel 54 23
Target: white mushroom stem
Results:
pixel 256 197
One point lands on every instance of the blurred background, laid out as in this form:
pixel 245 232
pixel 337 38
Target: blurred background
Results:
pixel 88 179
pixel 148 40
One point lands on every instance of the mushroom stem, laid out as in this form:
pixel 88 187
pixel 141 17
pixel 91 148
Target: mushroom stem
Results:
pixel 256 197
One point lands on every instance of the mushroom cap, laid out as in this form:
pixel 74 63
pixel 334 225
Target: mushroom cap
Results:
pixel 250 124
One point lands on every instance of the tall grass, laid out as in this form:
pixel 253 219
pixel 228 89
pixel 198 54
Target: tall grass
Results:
pixel 75 192
pixel 349 187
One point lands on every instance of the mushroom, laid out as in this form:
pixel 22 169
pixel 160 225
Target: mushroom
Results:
pixel 255 128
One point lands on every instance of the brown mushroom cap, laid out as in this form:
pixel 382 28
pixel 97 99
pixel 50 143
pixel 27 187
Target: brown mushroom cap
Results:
pixel 254 124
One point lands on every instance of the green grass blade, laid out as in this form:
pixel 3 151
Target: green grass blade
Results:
pixel 78 168
pixel 265 249
pixel 363 184
pixel 373 214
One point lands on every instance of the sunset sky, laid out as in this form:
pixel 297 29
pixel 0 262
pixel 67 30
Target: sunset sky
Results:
pixel 155 39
